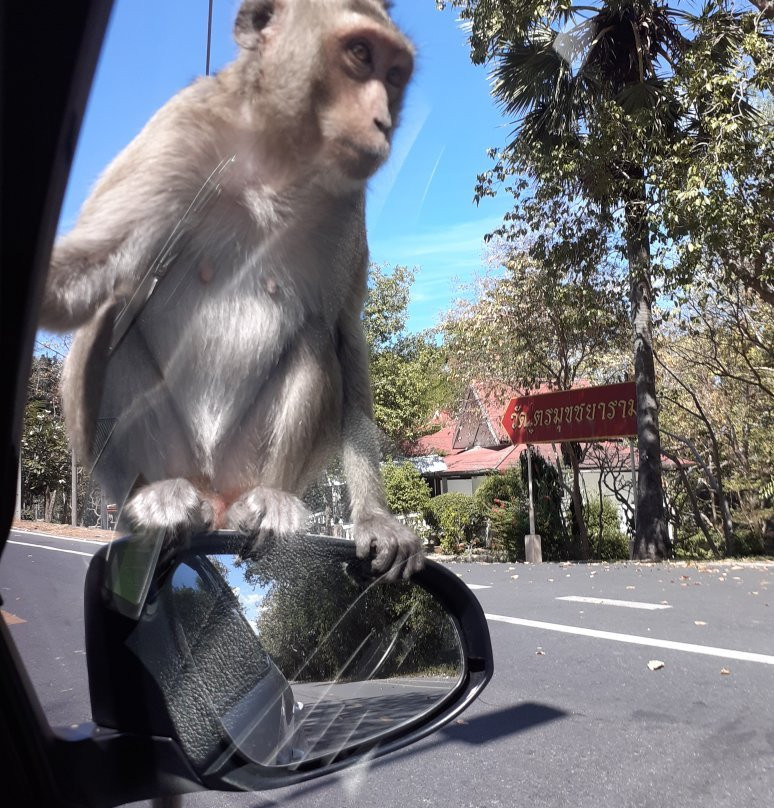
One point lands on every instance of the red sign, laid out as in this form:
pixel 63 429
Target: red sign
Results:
pixel 586 413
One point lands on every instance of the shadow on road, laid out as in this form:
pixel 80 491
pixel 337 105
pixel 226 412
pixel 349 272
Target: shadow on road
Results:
pixel 475 731
pixel 501 723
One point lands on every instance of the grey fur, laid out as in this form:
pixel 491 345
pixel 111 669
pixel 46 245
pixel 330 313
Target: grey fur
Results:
pixel 239 364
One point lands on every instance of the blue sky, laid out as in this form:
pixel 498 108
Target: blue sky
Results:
pixel 420 209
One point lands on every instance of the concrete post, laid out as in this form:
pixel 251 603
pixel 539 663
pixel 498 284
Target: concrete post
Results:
pixel 533 551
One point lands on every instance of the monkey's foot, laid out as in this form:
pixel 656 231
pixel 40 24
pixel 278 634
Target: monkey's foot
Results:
pixel 169 506
pixel 264 512
pixel 396 549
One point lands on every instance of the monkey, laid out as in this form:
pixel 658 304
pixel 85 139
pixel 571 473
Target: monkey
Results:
pixel 215 279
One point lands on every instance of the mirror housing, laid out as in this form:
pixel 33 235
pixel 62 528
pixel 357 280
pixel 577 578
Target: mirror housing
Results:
pixel 316 667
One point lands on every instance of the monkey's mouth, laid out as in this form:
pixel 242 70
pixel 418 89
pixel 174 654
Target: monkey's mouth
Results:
pixel 359 159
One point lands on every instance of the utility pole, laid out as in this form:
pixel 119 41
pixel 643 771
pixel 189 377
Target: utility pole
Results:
pixel 17 509
pixel 73 490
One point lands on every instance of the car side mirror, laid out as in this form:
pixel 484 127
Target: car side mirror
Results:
pixel 265 667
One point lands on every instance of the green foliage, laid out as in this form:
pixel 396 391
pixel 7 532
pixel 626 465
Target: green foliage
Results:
pixel 501 489
pixel 692 547
pixel 609 543
pixel 46 459
pixel 407 376
pixel 718 410
pixel 534 322
pixel 406 489
pixel 548 496
pixel 501 499
pixel 456 520
pixel 331 622
pixel 45 453
pixel 748 542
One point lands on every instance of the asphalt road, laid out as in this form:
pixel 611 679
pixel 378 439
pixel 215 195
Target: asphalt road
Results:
pixel 573 716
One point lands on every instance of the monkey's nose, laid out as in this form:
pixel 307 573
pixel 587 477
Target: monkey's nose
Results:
pixel 384 125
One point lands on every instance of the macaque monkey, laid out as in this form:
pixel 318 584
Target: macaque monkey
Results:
pixel 216 276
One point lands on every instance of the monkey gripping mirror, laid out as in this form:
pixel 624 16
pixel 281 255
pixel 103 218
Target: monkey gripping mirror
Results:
pixel 269 666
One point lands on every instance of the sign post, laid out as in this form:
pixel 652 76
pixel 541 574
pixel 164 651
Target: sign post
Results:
pixel 581 414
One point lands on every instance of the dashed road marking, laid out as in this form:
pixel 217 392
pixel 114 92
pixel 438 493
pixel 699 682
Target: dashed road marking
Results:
pixel 627 604
pixel 479 586
pixel 633 639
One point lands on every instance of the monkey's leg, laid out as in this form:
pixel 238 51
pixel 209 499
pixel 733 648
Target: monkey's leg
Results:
pixel 172 506
pixel 395 548
pixel 263 512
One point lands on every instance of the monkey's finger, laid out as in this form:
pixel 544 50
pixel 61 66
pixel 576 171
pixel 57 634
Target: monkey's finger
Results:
pixel 387 550
pixel 362 545
pixel 414 563
pixel 394 572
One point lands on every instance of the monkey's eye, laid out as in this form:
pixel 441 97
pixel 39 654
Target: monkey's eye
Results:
pixel 396 77
pixel 360 51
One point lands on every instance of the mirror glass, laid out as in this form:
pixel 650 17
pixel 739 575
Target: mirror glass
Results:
pixel 296 651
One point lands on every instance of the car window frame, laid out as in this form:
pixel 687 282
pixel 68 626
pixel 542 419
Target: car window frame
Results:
pixel 48 58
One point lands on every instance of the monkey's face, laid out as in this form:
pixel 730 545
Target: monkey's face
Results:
pixel 333 74
pixel 368 66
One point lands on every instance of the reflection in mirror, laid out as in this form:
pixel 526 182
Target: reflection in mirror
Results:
pixel 299 650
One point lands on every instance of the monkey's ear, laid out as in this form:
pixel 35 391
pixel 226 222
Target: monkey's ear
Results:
pixel 252 17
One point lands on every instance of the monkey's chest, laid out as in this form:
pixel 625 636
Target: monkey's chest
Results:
pixel 242 365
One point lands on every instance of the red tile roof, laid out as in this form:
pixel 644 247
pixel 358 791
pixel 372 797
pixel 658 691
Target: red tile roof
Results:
pixel 480 421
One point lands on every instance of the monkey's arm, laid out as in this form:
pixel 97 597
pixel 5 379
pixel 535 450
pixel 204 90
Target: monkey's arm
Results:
pixel 128 215
pixel 374 526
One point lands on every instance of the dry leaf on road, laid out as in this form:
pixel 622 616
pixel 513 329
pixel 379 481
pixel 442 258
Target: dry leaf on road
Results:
pixel 725 672
pixel 655 664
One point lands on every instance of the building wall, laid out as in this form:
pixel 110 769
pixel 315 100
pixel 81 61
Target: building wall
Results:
pixel 459 486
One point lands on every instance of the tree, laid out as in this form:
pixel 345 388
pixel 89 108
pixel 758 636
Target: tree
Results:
pixel 502 500
pixel 332 620
pixel 539 322
pixel 714 211
pixel 456 519
pixel 406 489
pixel 407 375
pixel 717 363
pixel 600 99
pixel 46 460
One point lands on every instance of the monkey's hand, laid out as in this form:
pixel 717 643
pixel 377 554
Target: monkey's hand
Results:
pixel 396 549
pixel 264 512
pixel 170 506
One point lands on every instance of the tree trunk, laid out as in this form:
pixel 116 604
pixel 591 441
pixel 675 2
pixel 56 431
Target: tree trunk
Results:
pixel 694 503
pixel 577 503
pixel 720 491
pixel 651 540
pixel 48 508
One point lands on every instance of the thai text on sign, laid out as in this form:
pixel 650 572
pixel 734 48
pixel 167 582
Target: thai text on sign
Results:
pixel 582 414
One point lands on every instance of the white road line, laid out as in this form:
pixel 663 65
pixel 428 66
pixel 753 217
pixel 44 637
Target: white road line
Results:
pixel 725 653
pixel 58 538
pixel 628 604
pixel 55 549
pixel 479 586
